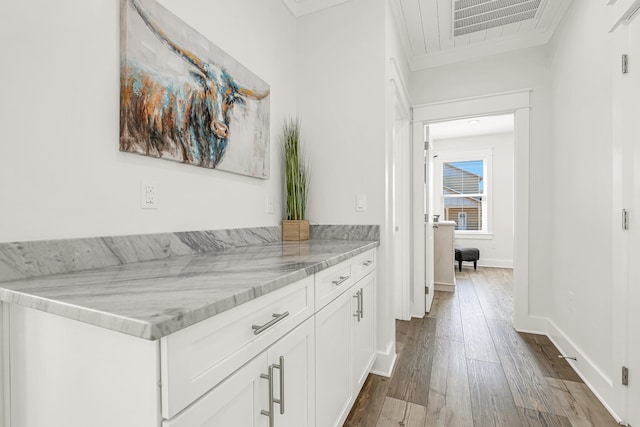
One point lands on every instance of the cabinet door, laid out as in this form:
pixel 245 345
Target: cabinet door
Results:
pixel 294 356
pixel 236 402
pixel 363 330
pixel 333 361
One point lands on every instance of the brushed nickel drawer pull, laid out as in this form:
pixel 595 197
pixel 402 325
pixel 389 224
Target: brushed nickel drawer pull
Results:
pixel 361 300
pixel 341 281
pixel 367 263
pixel 257 329
pixel 281 400
pixel 269 413
pixel 357 296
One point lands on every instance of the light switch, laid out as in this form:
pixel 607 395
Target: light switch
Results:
pixel 361 203
pixel 269 205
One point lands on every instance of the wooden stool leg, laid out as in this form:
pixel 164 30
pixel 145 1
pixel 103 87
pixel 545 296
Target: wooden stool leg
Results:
pixel 475 264
pixel 459 265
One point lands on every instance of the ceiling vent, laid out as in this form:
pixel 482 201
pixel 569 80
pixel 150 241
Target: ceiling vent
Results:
pixel 470 16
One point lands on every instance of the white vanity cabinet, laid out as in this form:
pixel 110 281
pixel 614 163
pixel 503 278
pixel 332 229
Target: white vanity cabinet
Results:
pixel 363 331
pixel 334 387
pixel 345 340
pixel 294 357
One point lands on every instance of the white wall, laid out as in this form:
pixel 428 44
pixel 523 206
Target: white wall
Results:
pixel 61 174
pixel 342 94
pixel 526 69
pixel 581 149
pixel 341 104
pixel 498 250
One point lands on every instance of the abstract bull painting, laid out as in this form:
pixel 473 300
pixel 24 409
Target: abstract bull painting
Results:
pixel 184 99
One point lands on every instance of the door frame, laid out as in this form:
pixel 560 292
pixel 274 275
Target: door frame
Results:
pixel 401 241
pixel 519 104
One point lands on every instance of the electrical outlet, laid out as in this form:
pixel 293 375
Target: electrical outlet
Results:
pixel 148 195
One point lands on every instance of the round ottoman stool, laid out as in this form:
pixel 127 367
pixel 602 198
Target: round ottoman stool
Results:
pixel 467 254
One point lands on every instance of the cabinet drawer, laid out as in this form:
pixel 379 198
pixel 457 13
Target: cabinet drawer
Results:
pixel 363 264
pixel 197 358
pixel 332 282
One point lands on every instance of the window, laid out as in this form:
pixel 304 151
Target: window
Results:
pixel 464 190
pixel 462 220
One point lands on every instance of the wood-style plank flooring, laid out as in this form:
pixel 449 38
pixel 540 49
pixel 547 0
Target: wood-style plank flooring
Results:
pixel 464 365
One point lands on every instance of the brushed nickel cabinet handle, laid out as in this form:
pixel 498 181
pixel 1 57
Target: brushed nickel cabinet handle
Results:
pixel 258 329
pixel 280 401
pixel 358 309
pixel 361 303
pixel 367 263
pixel 341 281
pixel 269 413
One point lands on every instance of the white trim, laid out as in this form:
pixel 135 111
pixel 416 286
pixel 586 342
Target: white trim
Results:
pixel 534 325
pixel 462 234
pixel 444 287
pixel 461 155
pixel 494 104
pixel 517 102
pixel 385 361
pixel 496 263
pixel 587 370
pixel 300 8
pixel 491 263
pixel 624 11
pixel 401 162
pixel 478 50
pixel 396 76
pixel 420 278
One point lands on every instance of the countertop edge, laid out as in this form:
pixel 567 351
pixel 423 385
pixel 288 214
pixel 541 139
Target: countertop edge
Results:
pixel 156 330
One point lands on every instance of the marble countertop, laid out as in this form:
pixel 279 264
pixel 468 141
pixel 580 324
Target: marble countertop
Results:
pixel 152 299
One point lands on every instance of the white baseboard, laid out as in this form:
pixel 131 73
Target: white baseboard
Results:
pixel 594 378
pixel 494 263
pixel 598 382
pixel 385 361
pixel 445 287
pixel 532 325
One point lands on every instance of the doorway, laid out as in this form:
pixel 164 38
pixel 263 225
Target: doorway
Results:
pixel 472 184
pixel 516 103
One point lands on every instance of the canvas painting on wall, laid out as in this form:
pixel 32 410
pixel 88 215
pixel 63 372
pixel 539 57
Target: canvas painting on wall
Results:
pixel 182 98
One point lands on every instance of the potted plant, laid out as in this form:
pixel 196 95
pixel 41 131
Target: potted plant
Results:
pixel 295 226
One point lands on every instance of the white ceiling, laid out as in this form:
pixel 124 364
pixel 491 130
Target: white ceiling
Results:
pixel 475 126
pixel 483 27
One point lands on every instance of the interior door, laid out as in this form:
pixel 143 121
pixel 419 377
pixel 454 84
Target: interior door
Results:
pixel 428 225
pixel 632 147
pixel 422 164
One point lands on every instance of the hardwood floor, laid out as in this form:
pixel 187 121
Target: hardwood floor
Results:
pixel 463 365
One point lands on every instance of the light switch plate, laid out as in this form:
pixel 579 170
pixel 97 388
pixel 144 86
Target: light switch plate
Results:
pixel 361 203
pixel 269 205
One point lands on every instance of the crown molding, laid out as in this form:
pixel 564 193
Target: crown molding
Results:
pixel 305 7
